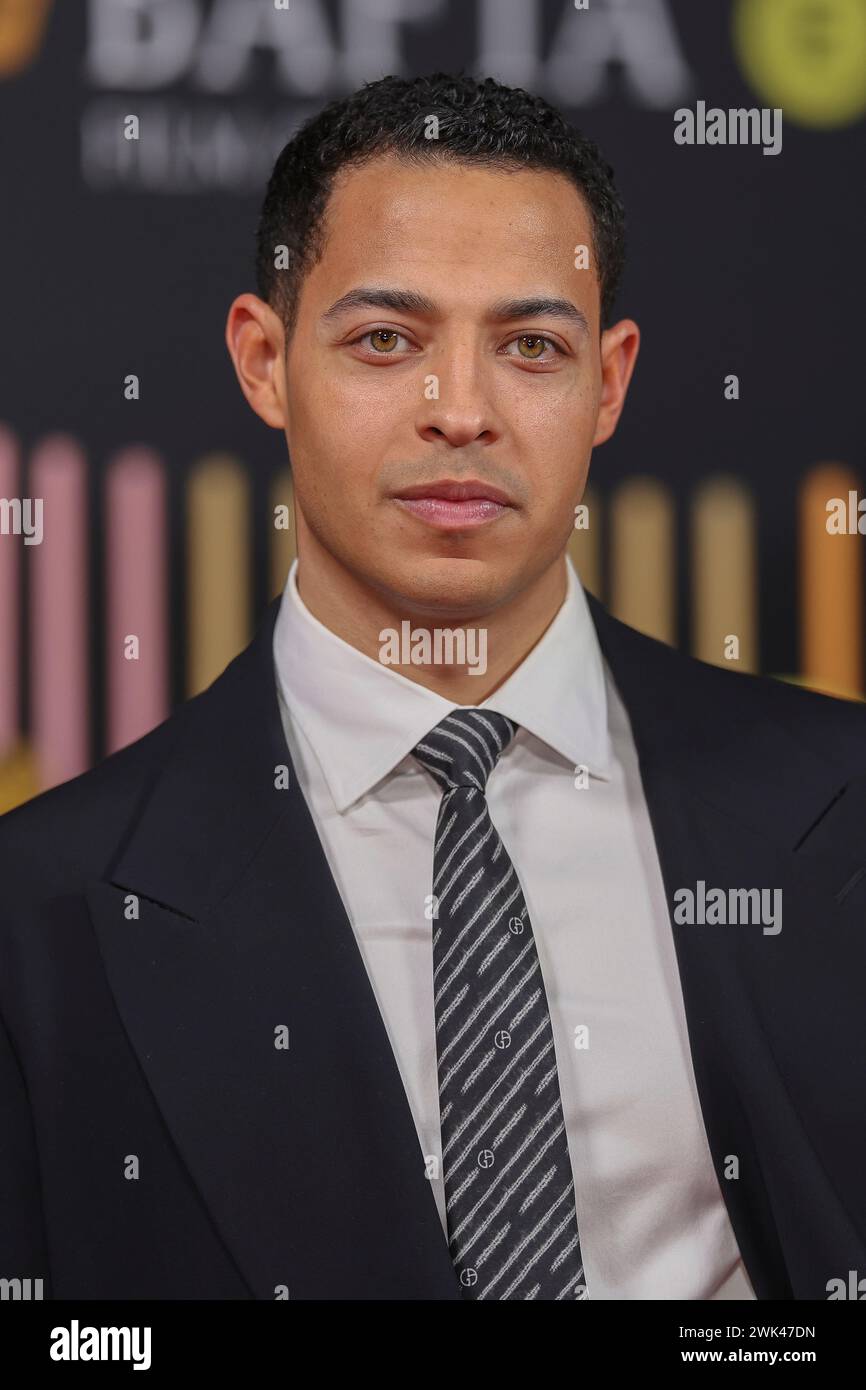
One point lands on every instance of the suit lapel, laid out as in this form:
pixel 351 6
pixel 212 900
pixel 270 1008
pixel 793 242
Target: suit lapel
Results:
pixel 307 1157
pixel 736 802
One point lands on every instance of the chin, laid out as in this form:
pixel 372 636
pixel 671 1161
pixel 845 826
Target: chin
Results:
pixel 450 587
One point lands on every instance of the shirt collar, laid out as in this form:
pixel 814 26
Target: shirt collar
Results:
pixel 362 718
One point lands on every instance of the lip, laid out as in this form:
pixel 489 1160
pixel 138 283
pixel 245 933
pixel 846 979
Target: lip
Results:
pixel 449 505
pixel 456 492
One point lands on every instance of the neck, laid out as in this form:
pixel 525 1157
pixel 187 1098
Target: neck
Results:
pixel 493 643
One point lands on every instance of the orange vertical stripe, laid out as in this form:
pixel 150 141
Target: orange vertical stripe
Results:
pixel 831 585
pixel 584 546
pixel 724 573
pixel 283 542
pixel 218 568
pixel 11 549
pixel 643 557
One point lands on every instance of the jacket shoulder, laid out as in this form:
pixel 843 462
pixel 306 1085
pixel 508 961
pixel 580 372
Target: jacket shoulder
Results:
pixel 680 691
pixel 77 824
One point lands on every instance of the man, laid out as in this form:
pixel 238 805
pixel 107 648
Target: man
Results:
pixel 370 974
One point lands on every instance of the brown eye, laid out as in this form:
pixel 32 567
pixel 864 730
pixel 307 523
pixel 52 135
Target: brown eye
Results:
pixel 535 345
pixel 378 339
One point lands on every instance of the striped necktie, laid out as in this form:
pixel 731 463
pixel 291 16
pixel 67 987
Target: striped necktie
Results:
pixel 509 1191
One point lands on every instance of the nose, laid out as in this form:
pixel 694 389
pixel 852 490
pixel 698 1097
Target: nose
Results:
pixel 457 405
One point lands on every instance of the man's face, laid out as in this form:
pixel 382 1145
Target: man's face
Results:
pixel 458 386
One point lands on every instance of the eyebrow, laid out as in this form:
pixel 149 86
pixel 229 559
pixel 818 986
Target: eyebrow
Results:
pixel 413 302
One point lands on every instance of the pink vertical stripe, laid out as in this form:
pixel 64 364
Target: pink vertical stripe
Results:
pixel 58 612
pixel 11 547
pixel 137 597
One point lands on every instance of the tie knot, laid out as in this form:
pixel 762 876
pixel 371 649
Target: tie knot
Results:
pixel 464 747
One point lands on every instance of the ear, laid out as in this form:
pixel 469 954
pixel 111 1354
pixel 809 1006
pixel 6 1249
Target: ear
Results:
pixel 619 349
pixel 256 342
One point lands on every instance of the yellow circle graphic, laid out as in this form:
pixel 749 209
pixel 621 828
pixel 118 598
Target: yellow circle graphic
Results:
pixel 806 56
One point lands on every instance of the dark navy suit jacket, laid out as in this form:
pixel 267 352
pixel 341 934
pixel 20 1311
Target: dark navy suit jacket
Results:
pixel 147 1044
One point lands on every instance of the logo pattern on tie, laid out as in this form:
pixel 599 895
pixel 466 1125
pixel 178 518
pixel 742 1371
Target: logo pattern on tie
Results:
pixel 509 1191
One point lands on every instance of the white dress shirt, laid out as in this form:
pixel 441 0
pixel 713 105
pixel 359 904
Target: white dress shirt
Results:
pixel 652 1220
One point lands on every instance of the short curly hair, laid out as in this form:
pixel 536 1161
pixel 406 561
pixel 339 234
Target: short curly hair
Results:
pixel 479 121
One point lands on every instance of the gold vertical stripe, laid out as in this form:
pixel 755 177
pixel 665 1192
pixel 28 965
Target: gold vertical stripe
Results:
pixel 643 557
pixel 218 568
pixel 22 32
pixel 282 545
pixel 724 573
pixel 584 547
pixel 19 777
pixel 831 594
